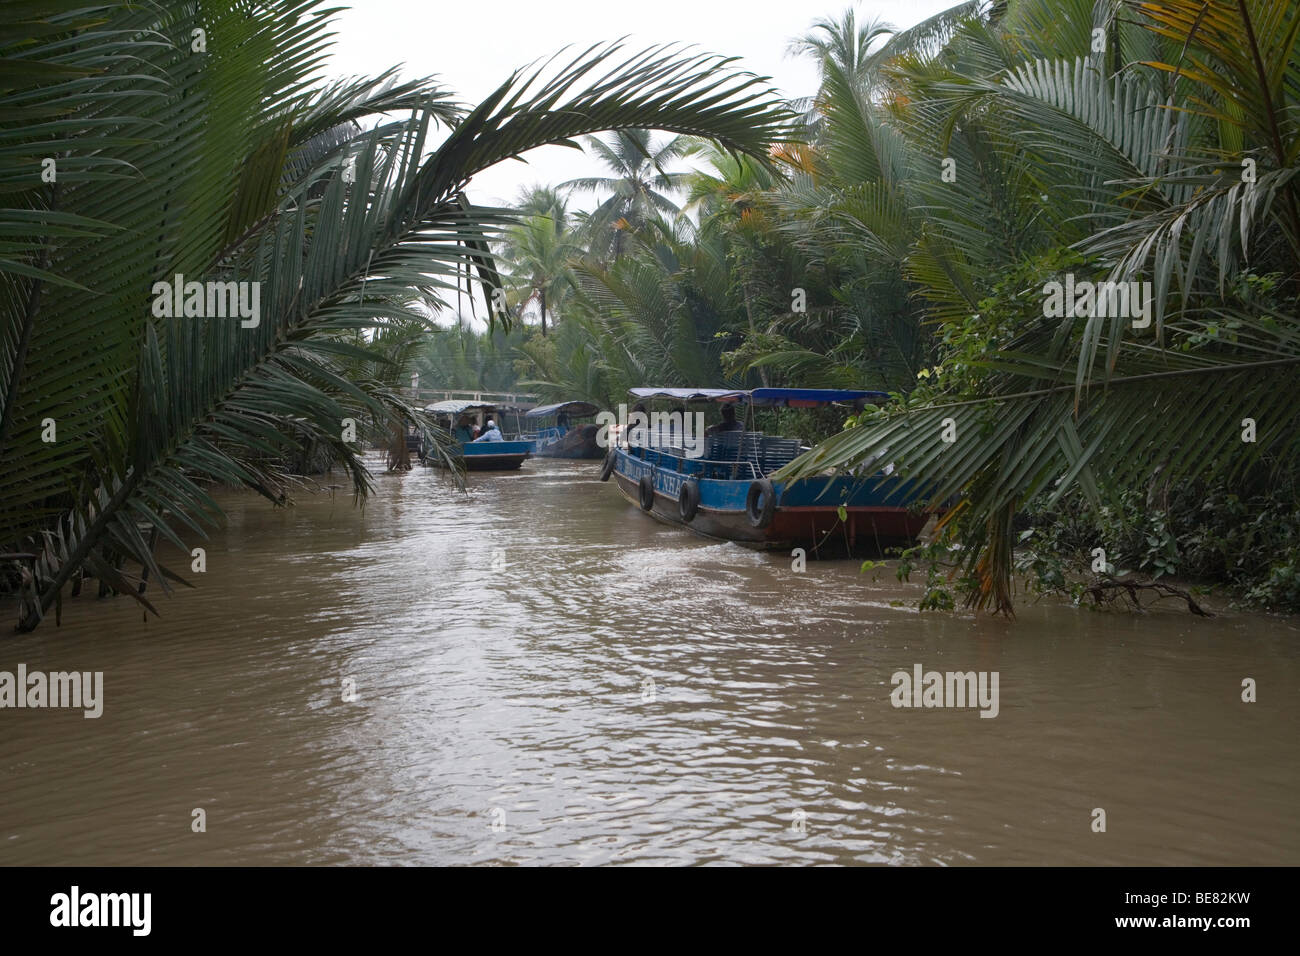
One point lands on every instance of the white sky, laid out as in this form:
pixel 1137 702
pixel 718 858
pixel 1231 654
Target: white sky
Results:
pixel 474 47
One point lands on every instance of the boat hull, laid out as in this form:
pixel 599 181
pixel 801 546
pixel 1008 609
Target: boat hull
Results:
pixel 490 455
pixel 807 514
pixel 578 443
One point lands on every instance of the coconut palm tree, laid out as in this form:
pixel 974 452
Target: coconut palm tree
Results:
pixel 639 189
pixel 538 252
pixel 854 56
pixel 842 45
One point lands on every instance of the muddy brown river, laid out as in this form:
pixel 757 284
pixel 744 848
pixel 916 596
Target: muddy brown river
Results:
pixel 538 673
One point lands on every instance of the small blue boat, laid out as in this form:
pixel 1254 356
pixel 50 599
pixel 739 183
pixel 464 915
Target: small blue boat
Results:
pixel 718 486
pixel 558 433
pixel 475 455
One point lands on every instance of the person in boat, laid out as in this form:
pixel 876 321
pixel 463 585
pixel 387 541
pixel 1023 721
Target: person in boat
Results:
pixel 728 423
pixel 637 432
pixel 490 432
pixel 464 430
pixel 676 422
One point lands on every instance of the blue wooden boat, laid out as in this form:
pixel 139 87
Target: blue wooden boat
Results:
pixel 475 455
pixel 558 434
pixel 723 491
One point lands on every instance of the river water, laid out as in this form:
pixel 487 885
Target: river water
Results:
pixel 542 674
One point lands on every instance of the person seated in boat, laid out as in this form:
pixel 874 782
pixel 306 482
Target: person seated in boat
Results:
pixel 676 424
pixel 637 427
pixel 728 423
pixel 464 430
pixel 490 432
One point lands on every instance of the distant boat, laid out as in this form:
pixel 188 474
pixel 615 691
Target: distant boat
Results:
pixel 475 455
pixel 557 435
pixel 724 491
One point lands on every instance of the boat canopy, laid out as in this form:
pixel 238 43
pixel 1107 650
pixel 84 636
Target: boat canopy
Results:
pixel 811 397
pixel 787 397
pixel 692 394
pixel 456 406
pixel 576 409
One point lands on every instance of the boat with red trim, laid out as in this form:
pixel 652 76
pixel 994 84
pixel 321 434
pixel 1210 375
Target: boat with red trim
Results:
pixel 719 487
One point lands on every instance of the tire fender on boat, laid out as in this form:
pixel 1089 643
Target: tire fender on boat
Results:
pixel 607 468
pixel 688 500
pixel 646 492
pixel 761 517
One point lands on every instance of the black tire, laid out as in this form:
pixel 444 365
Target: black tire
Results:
pixel 761 517
pixel 688 500
pixel 646 492
pixel 607 468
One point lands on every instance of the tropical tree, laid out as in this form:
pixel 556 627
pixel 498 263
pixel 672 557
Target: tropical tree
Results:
pixel 538 253
pixel 583 360
pixel 461 357
pixel 842 46
pixel 1174 166
pixel 639 188
pixel 663 313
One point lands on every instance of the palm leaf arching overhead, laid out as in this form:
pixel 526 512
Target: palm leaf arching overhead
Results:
pixel 229 164
pixel 1144 170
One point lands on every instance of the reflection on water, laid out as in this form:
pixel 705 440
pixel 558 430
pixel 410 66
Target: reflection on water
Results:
pixel 545 675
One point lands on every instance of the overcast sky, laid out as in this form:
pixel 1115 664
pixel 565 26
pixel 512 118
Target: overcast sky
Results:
pixel 473 48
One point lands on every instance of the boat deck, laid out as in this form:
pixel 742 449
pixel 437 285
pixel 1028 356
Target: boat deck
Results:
pixel 730 456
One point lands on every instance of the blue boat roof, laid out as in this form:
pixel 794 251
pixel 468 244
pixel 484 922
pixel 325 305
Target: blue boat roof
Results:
pixel 691 394
pixel 788 397
pixel 573 408
pixel 809 397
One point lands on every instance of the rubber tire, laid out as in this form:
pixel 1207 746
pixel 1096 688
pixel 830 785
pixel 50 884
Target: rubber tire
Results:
pixel 762 488
pixel 607 468
pixel 646 492
pixel 688 500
